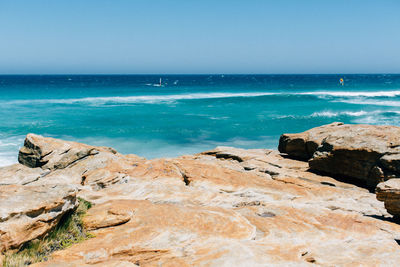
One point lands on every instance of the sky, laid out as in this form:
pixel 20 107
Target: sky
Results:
pixel 187 36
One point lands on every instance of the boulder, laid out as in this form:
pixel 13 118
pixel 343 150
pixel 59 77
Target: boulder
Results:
pixel 50 153
pixel 29 212
pixel 389 193
pixel 303 145
pixel 364 152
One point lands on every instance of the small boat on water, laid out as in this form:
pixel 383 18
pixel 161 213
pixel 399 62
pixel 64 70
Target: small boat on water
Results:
pixel 160 84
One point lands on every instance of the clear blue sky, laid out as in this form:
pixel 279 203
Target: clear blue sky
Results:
pixel 183 36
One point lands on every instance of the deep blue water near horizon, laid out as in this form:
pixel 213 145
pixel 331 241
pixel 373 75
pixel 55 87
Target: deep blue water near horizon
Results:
pixel 188 113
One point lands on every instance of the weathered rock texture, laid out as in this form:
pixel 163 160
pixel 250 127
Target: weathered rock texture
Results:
pixel 224 207
pixel 303 145
pixel 28 212
pixel 51 153
pixel 2 258
pixel 365 152
pixel 389 192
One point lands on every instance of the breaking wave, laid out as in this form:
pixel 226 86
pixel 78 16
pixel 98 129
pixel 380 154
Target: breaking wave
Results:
pixel 215 95
pixel 370 102
pixel 9 149
pixel 355 94
pixel 140 99
pixel 331 114
pixel 379 114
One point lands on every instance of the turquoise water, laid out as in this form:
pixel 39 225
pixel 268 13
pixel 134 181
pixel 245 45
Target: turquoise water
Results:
pixel 188 113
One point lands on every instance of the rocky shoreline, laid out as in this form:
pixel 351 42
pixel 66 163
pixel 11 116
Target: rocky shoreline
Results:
pixel 311 202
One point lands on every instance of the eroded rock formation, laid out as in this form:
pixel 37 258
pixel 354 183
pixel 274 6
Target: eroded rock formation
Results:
pixel 389 192
pixel 223 207
pixel 365 152
pixel 29 212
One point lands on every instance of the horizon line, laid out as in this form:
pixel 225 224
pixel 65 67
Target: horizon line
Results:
pixel 182 74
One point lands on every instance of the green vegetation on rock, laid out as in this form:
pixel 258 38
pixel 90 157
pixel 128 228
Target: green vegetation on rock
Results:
pixel 69 231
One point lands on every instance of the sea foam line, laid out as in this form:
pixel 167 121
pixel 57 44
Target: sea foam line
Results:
pixel 370 102
pixel 176 97
pixel 138 99
pixel 331 114
pixel 353 94
pixel 9 149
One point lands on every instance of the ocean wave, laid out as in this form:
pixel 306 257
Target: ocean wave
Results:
pixel 331 114
pixel 139 99
pixel 370 102
pixel 7 159
pixel 356 114
pixel 354 94
pixel 193 96
pixel 9 147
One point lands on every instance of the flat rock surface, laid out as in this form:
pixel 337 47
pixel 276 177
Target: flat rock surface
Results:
pixel 223 207
pixel 20 174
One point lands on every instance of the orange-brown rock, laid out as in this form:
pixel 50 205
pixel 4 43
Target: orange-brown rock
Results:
pixel 223 207
pixel 28 212
pixel 2 258
pixel 155 233
pixel 364 152
pixel 389 193
pixel 159 234
pixel 303 145
pixel 52 153
pixel 20 174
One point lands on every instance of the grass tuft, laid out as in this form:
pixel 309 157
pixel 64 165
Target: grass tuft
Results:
pixel 69 231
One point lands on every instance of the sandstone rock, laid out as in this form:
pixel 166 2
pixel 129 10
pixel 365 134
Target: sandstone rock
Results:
pixel 20 174
pixel 389 193
pixel 156 234
pixel 391 162
pixel 28 212
pixel 364 152
pixel 52 153
pixel 62 162
pixel 303 145
pixel 107 263
pixel 102 217
pixel 163 234
pixel 223 207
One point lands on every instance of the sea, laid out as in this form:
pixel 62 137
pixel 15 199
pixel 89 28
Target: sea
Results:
pixel 186 114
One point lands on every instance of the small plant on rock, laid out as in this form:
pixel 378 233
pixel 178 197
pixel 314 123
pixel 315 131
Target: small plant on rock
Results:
pixel 69 231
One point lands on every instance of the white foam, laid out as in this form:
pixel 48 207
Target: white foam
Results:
pixel 176 97
pixel 7 159
pixel 370 102
pixel 9 147
pixel 330 114
pixel 139 99
pixel 370 120
pixel 353 94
